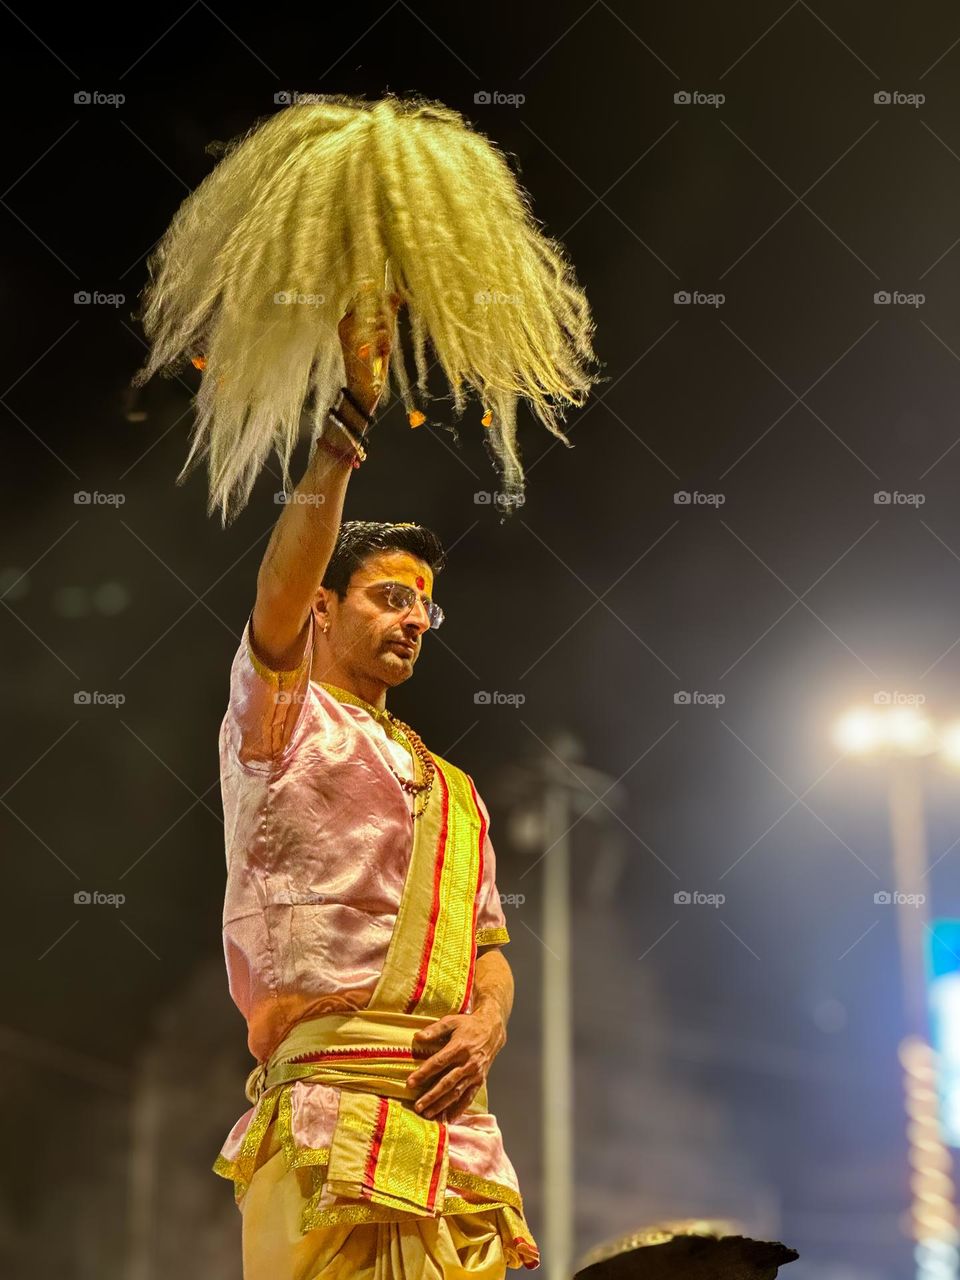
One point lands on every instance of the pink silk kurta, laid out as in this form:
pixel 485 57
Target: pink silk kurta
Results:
pixel 318 839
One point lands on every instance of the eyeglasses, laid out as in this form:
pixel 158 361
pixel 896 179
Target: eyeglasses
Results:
pixel 401 597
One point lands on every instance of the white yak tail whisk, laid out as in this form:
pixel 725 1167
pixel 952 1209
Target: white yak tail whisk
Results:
pixel 261 261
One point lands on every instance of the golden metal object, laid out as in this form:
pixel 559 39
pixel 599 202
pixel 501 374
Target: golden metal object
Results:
pixel 692 1249
pixel 658 1234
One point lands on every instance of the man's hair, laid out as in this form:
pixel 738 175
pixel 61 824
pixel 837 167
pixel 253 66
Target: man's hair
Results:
pixel 359 539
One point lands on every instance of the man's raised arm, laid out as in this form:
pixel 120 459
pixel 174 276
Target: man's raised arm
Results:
pixel 303 538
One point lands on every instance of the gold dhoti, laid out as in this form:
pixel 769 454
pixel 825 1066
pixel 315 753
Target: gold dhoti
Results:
pixel 452 1247
pixel 395 1213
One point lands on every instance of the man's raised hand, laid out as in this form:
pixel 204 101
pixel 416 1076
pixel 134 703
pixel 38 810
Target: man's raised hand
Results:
pixel 366 333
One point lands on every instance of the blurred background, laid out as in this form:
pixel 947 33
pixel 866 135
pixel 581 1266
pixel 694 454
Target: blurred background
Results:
pixel 756 529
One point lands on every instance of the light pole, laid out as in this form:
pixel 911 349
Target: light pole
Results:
pixel 548 799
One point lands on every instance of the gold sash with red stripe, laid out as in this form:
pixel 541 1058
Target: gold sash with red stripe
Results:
pixel 384 1152
pixel 432 952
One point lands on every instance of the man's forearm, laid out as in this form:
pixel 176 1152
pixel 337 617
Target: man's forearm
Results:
pixel 304 536
pixel 291 571
pixel 493 986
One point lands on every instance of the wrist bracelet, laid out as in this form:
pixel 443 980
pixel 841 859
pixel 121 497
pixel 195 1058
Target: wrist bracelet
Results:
pixel 353 460
pixel 356 438
pixel 336 412
pixel 346 394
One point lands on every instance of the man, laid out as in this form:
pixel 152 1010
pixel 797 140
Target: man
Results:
pixel 362 925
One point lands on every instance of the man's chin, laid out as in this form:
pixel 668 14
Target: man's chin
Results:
pixel 396 666
pixel 400 653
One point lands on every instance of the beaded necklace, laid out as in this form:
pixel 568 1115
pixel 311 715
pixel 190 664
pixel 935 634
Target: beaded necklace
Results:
pixel 402 733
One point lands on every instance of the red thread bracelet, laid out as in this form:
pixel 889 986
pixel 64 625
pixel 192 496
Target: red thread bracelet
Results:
pixel 353 459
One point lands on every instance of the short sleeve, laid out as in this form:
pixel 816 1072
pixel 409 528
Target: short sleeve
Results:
pixel 491 922
pixel 266 705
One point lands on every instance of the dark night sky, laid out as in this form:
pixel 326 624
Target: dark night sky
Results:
pixel 797 399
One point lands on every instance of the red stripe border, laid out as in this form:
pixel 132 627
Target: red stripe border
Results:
pixel 322 1055
pixel 374 1153
pixel 476 897
pixel 437 1165
pixel 435 905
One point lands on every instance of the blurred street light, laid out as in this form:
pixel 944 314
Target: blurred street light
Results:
pixel 902 737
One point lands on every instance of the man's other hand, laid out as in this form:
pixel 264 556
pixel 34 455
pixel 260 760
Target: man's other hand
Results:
pixel 461 1048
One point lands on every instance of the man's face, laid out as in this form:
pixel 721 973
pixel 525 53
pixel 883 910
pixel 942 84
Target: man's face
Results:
pixel 369 636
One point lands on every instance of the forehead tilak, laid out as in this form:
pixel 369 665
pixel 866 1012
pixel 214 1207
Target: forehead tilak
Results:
pixel 399 567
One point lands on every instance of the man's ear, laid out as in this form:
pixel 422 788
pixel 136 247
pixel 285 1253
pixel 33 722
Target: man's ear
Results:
pixel 320 609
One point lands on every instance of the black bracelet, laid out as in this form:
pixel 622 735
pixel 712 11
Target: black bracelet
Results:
pixel 358 437
pixel 351 401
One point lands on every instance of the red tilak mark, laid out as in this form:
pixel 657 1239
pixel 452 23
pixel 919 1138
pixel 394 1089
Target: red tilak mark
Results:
pixel 435 906
pixel 420 584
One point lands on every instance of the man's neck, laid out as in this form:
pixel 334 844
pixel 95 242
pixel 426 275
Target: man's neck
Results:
pixel 372 691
